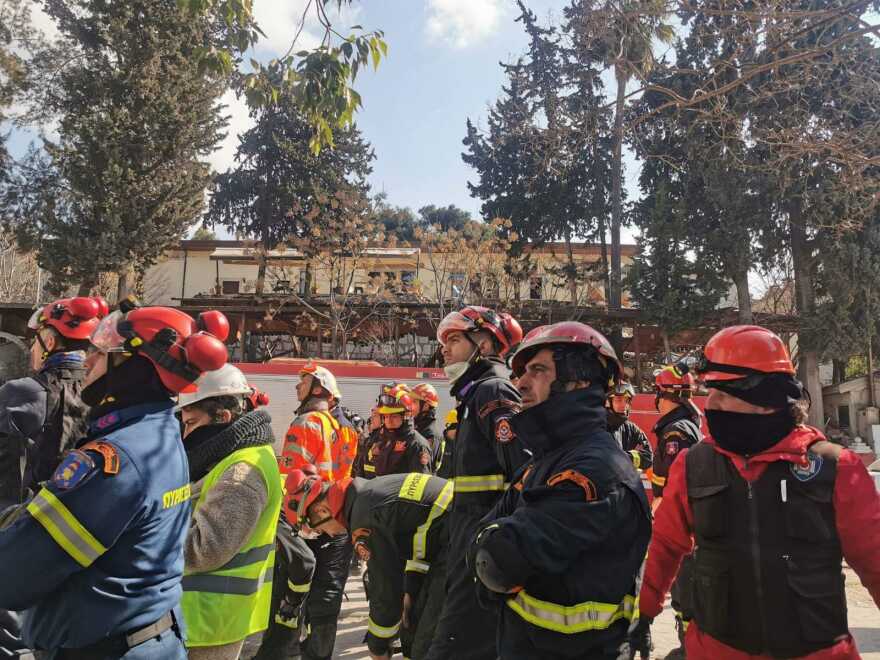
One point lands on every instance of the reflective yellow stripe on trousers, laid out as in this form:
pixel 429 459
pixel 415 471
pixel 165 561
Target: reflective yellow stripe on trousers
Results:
pixel 571 619
pixel 480 483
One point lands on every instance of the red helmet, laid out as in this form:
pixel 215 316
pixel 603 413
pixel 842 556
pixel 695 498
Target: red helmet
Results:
pixel 395 399
pixel 427 393
pixel 304 487
pixel 503 327
pixel 74 318
pixel 742 350
pixel 257 399
pixel 567 332
pixel 179 348
pixel 674 378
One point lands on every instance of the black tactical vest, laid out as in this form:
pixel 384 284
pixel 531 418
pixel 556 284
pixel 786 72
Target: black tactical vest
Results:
pixel 767 562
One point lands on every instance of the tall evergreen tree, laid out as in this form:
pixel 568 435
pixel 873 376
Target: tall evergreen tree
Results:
pixel 127 175
pixel 277 171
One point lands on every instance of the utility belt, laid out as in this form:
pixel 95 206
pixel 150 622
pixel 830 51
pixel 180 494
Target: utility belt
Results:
pixel 119 645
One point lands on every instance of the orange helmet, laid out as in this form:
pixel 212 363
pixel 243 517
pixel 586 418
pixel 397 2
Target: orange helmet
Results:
pixel 675 379
pixel 503 327
pixel 179 348
pixel 395 399
pixel 74 318
pixel 427 393
pixel 744 350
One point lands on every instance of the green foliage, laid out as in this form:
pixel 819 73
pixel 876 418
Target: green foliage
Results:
pixel 271 193
pixel 136 121
pixel 319 81
pixel 204 234
pixel 445 217
pixel 543 161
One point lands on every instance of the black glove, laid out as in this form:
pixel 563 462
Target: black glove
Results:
pixel 640 639
pixel 289 610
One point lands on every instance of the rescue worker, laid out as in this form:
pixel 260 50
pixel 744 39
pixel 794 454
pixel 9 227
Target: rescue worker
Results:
pixel 560 554
pixel 628 435
pixel 96 557
pixel 677 429
pixel 310 441
pixel 237 501
pixel 397 447
pixel 444 469
pixel 42 416
pixel 426 400
pixel 487 453
pixel 364 467
pixel 773 509
pixel 398 525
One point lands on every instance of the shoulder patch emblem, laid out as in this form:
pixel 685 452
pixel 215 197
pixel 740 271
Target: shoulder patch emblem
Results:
pixel 400 445
pixel 108 451
pixel 74 468
pixel 577 478
pixel 499 404
pixel 810 470
pixel 503 432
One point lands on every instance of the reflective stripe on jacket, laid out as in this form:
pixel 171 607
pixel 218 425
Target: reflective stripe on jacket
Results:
pixel 232 602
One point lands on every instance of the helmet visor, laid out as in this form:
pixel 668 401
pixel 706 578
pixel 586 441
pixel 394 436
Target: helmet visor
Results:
pixel 106 337
pixel 34 320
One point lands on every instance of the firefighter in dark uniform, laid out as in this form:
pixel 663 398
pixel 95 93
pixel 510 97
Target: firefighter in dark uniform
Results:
pixel 486 456
pixel 772 508
pixel 677 429
pixel 42 416
pixel 426 400
pixel 396 446
pixel 560 554
pixel 447 445
pixel 96 557
pixel 398 525
pixel 630 437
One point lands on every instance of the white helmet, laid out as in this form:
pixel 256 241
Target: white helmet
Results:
pixel 225 381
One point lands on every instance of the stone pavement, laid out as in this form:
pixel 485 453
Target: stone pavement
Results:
pixel 864 621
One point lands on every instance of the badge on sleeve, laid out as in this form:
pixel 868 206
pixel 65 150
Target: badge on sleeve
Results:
pixel 503 431
pixel 810 470
pixel 74 468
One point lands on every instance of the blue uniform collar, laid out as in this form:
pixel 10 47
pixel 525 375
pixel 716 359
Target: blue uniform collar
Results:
pixel 116 419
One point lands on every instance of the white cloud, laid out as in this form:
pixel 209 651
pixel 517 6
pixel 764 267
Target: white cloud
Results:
pixel 280 21
pixel 41 21
pixel 462 23
pixel 239 122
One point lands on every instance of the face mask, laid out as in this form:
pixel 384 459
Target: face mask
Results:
pixel 456 370
pixel 615 420
pixel 747 434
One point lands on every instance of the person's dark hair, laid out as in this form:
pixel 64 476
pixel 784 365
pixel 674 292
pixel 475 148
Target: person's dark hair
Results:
pixel 216 404
pixel 63 343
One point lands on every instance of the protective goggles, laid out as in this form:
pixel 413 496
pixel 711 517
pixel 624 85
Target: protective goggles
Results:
pixel 106 337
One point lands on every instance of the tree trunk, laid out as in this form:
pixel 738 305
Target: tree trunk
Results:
pixel 617 190
pixel 808 364
pixel 839 372
pixel 744 298
pixel 572 272
pixel 606 274
pixel 123 285
pixel 872 394
pixel 666 349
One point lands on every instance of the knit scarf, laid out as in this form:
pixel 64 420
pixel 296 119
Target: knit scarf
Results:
pixel 208 445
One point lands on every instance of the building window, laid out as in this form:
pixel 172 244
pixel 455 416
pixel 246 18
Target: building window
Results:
pixel 456 280
pixel 843 417
pixel 536 288
pixel 305 283
pixel 408 277
pixel 231 287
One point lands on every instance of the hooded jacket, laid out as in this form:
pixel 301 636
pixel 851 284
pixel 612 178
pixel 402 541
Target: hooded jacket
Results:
pixel 579 502
pixel 856 505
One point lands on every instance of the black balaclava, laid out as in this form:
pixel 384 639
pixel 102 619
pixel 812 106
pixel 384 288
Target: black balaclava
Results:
pixel 132 382
pixel 748 434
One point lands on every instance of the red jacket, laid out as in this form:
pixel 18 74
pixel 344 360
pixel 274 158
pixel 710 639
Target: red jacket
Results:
pixel 856 506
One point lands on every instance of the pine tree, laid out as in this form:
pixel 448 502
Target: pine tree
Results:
pixel 271 194
pixel 137 119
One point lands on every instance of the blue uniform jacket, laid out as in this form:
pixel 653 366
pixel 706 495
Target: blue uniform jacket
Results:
pixel 99 550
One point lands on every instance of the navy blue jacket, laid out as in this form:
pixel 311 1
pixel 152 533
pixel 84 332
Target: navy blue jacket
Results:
pixel 99 550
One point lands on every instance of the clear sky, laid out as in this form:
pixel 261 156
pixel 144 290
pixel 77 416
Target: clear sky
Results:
pixel 443 67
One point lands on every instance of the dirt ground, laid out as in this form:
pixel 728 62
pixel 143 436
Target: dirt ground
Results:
pixel 864 621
